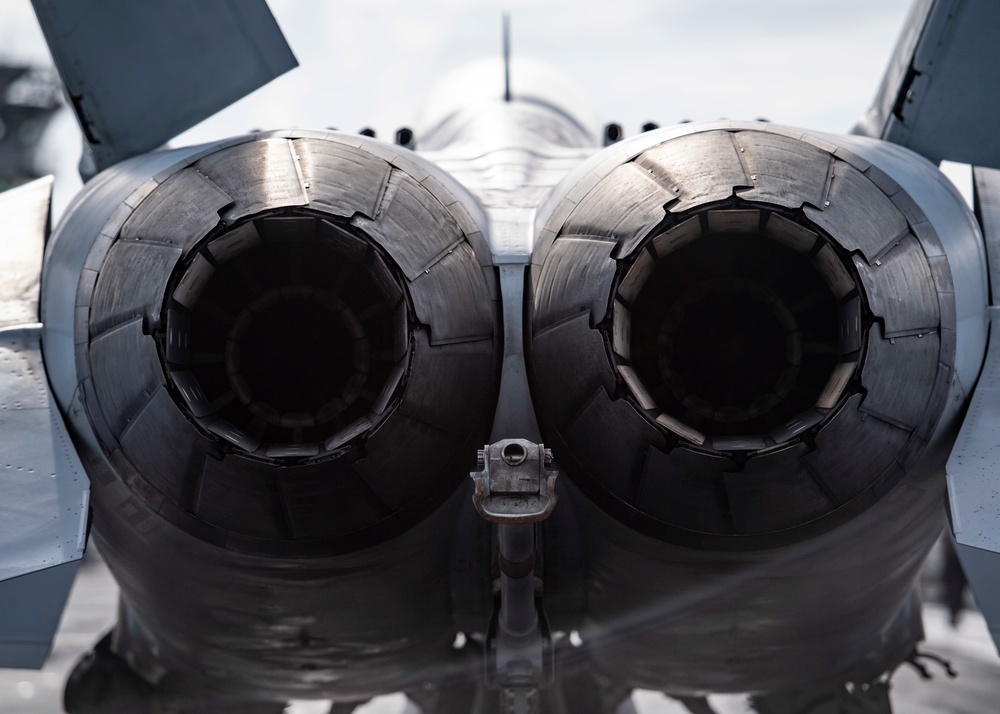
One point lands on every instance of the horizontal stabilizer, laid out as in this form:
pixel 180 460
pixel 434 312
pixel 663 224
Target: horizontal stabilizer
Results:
pixel 44 503
pixel 30 609
pixel 939 94
pixel 139 73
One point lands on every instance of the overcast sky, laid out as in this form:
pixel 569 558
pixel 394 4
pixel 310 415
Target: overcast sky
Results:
pixel 369 62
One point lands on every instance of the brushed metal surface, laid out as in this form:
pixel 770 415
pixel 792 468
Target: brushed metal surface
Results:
pixel 869 216
pixel 340 179
pixel 687 489
pixel 165 447
pixel 900 290
pixel 876 444
pixel 624 206
pixel 573 364
pixel 408 209
pixel 677 236
pixel 576 277
pixel 257 175
pixel 909 362
pixel 82 241
pixel 621 324
pixel 790 234
pixel 240 495
pixel 181 211
pixel 447 384
pixel 234 242
pixel 452 298
pixel 702 167
pixel 960 240
pixel 126 371
pixel 774 491
pixel 130 285
pixel 744 220
pixel 602 423
pixel 859 216
pixel 323 500
pixel 639 272
pixel 833 272
pixel 783 171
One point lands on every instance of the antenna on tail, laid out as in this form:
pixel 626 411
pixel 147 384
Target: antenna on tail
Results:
pixel 506 57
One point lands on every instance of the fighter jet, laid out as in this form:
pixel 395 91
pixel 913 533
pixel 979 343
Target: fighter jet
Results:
pixel 508 415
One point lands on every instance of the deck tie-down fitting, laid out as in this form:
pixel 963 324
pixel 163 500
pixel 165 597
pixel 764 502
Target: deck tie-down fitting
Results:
pixel 515 488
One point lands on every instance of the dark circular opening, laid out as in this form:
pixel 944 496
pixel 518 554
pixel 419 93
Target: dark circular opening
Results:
pixel 291 337
pixel 734 334
pixel 268 365
pixel 514 454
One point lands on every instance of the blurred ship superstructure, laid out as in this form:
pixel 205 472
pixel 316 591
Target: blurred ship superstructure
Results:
pixel 29 98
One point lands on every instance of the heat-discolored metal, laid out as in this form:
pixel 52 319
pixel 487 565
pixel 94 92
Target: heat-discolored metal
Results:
pixel 844 239
pixel 255 295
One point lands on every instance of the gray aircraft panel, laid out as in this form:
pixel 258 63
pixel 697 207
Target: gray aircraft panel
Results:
pixel 986 184
pixel 983 570
pixel 44 504
pixel 940 84
pixel 974 488
pixel 973 481
pixel 37 481
pixel 138 74
pixel 30 608
pixel 25 226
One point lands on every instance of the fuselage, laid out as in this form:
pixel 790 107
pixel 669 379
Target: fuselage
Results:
pixel 688 555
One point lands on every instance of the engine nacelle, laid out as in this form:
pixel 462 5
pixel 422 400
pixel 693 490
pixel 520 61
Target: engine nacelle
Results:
pixel 742 335
pixel 284 343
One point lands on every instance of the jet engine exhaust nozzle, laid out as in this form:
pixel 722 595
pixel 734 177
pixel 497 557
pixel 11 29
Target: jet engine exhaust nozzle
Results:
pixel 288 343
pixel 762 330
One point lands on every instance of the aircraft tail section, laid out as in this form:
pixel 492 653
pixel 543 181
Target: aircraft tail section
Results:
pixel 940 84
pixel 138 74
